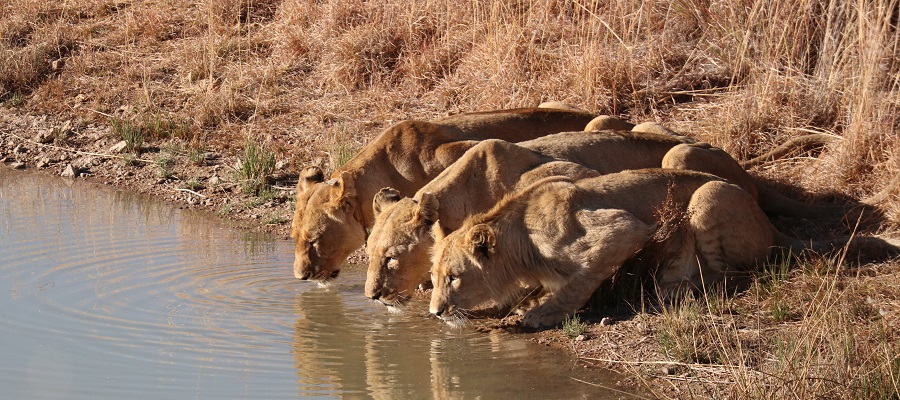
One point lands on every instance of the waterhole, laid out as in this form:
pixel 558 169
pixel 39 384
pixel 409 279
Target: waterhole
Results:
pixel 108 294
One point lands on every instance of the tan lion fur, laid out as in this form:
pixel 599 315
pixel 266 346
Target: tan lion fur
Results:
pixel 571 236
pixel 331 216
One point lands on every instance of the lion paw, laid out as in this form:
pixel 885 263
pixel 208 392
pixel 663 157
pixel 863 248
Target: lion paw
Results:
pixel 538 318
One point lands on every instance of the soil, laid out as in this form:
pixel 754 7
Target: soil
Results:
pixel 167 171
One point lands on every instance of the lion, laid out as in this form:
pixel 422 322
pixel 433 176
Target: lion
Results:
pixel 332 216
pixel 570 236
pixel 399 245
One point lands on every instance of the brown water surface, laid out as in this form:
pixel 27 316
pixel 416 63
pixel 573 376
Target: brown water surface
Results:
pixel 107 294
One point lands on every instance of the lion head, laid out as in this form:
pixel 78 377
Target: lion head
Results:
pixel 325 228
pixel 466 274
pixel 399 246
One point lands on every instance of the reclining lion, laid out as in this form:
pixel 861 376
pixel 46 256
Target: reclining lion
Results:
pixel 570 236
pixel 331 217
pixel 400 242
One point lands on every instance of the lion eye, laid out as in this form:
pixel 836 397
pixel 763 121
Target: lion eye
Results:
pixel 453 278
pixel 389 260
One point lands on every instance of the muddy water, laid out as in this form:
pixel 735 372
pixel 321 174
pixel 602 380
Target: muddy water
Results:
pixel 107 294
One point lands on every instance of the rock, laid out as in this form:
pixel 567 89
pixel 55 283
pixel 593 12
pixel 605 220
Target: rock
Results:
pixel 83 163
pixel 42 162
pixel 20 149
pixel 71 172
pixel 606 321
pixel 17 165
pixel 118 147
pixel 582 337
pixel 57 64
pixel 668 370
pixel 44 136
pixel 215 180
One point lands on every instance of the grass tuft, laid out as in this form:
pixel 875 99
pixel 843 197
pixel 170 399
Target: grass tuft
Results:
pixel 256 166
pixel 573 327
pixel 132 134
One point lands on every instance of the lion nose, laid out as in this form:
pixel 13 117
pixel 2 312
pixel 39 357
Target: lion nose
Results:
pixel 304 275
pixel 375 296
pixel 438 312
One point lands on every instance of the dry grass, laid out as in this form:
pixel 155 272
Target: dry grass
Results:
pixel 834 336
pixel 317 79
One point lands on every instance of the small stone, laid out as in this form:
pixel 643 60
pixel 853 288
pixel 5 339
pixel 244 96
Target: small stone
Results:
pixel 44 136
pixel 17 165
pixel 643 327
pixel 668 370
pixel 118 147
pixel 606 321
pixel 70 172
pixel 20 149
pixel 215 180
pixel 582 337
pixel 83 163
pixel 42 162
pixel 58 64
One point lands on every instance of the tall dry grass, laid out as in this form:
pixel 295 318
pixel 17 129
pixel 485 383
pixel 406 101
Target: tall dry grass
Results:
pixel 744 75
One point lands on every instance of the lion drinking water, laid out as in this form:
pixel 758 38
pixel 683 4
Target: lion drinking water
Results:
pixel 571 236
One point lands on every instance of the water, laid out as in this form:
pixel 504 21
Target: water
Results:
pixel 108 294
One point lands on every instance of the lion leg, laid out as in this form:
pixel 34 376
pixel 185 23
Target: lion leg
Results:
pixel 704 157
pixel 610 237
pixel 728 231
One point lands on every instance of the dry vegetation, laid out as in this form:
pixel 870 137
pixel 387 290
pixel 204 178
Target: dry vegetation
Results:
pixel 312 81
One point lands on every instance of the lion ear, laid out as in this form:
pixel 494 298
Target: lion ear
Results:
pixel 342 187
pixel 384 198
pixel 483 239
pixel 428 208
pixel 309 177
pixel 438 232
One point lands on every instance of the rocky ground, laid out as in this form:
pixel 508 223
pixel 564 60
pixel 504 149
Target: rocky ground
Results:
pixel 166 170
